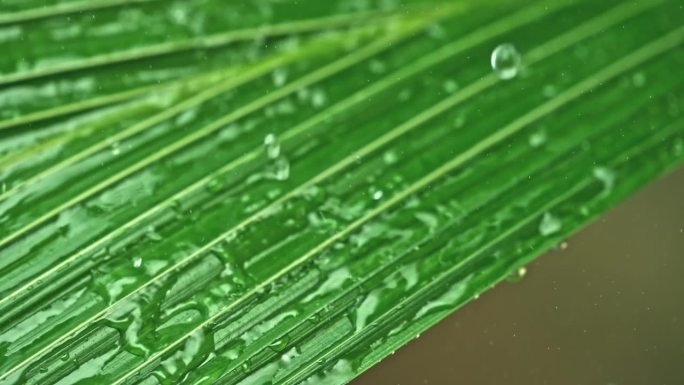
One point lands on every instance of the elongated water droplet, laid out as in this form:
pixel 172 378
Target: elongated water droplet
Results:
pixel 272 146
pixel 282 169
pixel 506 61
pixel 153 235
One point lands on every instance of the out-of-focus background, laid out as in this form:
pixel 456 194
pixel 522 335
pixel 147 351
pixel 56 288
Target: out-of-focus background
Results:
pixel 606 310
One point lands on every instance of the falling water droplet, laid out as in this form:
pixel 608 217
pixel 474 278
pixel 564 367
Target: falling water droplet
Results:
pixel 506 61
pixel 549 225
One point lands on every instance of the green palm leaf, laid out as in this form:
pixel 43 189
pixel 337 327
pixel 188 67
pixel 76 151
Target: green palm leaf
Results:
pixel 282 193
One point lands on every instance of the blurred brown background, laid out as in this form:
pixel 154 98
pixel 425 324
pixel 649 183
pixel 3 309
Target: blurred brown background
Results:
pixel 608 310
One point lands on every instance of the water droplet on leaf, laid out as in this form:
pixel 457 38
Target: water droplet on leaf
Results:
pixel 639 79
pixel 450 86
pixel 279 77
pixel 506 61
pixel 214 185
pixel 272 146
pixel 549 225
pixel 537 139
pixel 517 275
pixel 282 169
pixel 605 176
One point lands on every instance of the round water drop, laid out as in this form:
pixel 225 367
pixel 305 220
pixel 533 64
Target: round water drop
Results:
pixel 506 61
pixel 246 367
